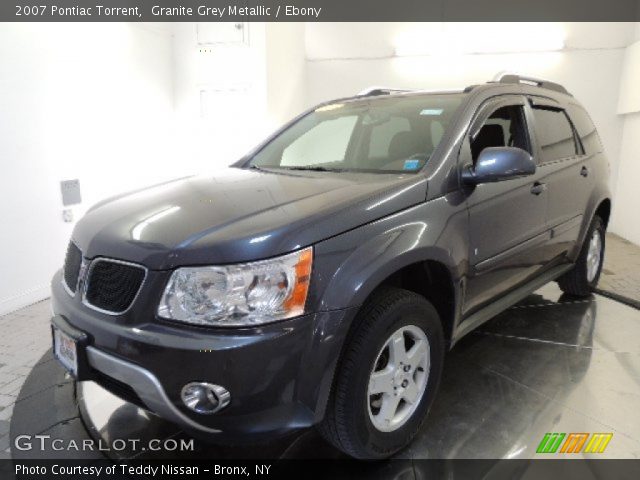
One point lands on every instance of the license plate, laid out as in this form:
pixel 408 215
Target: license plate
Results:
pixel 64 348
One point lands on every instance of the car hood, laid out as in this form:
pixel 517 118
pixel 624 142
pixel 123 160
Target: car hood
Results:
pixel 239 215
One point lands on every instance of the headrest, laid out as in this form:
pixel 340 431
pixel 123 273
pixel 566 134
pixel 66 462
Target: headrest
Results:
pixel 405 144
pixel 488 136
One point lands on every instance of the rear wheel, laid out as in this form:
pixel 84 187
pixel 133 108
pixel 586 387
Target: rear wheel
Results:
pixel 388 376
pixel 583 277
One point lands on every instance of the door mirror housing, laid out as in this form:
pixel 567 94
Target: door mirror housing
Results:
pixel 496 164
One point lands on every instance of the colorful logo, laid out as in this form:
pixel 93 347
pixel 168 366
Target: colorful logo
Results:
pixel 573 442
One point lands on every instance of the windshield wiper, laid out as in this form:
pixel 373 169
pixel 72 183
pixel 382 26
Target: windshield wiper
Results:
pixel 312 168
pixel 308 168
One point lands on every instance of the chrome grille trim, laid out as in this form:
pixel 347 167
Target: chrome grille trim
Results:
pixel 87 281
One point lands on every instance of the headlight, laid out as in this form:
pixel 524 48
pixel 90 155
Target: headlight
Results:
pixel 239 295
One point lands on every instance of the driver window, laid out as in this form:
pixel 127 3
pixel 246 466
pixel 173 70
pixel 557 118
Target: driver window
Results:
pixel 505 127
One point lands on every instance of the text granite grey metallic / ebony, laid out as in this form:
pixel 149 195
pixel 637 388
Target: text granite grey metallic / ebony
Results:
pixel 320 279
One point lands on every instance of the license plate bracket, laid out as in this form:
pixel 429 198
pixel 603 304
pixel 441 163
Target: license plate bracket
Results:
pixel 70 348
pixel 65 350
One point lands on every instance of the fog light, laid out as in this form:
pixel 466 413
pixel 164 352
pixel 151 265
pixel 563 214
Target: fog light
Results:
pixel 205 398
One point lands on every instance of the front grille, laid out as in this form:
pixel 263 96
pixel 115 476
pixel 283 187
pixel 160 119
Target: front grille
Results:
pixel 112 286
pixel 72 263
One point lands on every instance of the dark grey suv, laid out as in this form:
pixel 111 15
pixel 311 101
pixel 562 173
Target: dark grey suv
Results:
pixel 320 279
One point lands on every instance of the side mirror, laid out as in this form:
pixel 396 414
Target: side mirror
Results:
pixel 496 164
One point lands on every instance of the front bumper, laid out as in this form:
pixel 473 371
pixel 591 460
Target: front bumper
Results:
pixel 279 375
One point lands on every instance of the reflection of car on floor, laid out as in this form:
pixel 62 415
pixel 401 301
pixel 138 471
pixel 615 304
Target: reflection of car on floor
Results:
pixel 510 417
pixel 320 280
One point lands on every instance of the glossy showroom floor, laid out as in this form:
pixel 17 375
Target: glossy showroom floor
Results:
pixel 548 364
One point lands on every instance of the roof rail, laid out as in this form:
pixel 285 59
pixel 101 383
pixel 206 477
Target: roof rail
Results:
pixel 506 77
pixel 374 91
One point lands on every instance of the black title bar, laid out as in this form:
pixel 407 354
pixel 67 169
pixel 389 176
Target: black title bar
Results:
pixel 316 469
pixel 317 10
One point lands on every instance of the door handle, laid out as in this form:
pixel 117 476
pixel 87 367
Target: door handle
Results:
pixel 537 188
pixel 584 171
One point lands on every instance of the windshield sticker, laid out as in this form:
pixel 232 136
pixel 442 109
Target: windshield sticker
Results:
pixel 432 111
pixel 411 164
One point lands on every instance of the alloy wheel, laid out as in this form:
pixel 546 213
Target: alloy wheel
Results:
pixel 398 379
pixel 594 255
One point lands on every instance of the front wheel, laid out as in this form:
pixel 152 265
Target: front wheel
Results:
pixel 388 376
pixel 583 277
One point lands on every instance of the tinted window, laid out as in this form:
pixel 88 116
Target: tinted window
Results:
pixel 585 128
pixel 390 134
pixel 505 127
pixel 555 134
pixel 381 135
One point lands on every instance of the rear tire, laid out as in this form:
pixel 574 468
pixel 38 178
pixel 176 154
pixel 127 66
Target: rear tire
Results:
pixel 582 279
pixel 396 348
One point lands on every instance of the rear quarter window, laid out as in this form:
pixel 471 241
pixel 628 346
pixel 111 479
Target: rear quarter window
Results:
pixel 554 133
pixel 585 128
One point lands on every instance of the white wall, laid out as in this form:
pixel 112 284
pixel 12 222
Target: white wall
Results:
pixel 627 198
pixel 229 97
pixel 627 192
pixel 90 101
pixel 629 100
pixel 219 95
pixel 348 40
pixel 286 71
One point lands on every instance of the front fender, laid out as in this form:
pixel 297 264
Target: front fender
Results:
pixel 351 265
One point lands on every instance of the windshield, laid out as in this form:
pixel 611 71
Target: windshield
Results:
pixel 394 134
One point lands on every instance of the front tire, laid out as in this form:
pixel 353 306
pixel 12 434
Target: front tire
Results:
pixel 388 376
pixel 582 279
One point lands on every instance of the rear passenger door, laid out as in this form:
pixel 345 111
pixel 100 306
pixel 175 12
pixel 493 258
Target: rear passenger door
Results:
pixel 567 172
pixel 507 220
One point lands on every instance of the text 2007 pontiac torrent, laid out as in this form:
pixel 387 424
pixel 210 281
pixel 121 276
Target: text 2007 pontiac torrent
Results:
pixel 320 279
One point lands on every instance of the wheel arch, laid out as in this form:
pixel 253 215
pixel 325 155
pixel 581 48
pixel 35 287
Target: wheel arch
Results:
pixel 599 205
pixel 603 210
pixel 428 259
pixel 433 280
pixel 426 271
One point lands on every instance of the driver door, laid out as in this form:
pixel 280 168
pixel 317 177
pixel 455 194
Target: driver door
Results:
pixel 507 219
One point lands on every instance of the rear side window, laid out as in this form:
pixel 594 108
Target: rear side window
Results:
pixel 586 129
pixel 555 134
